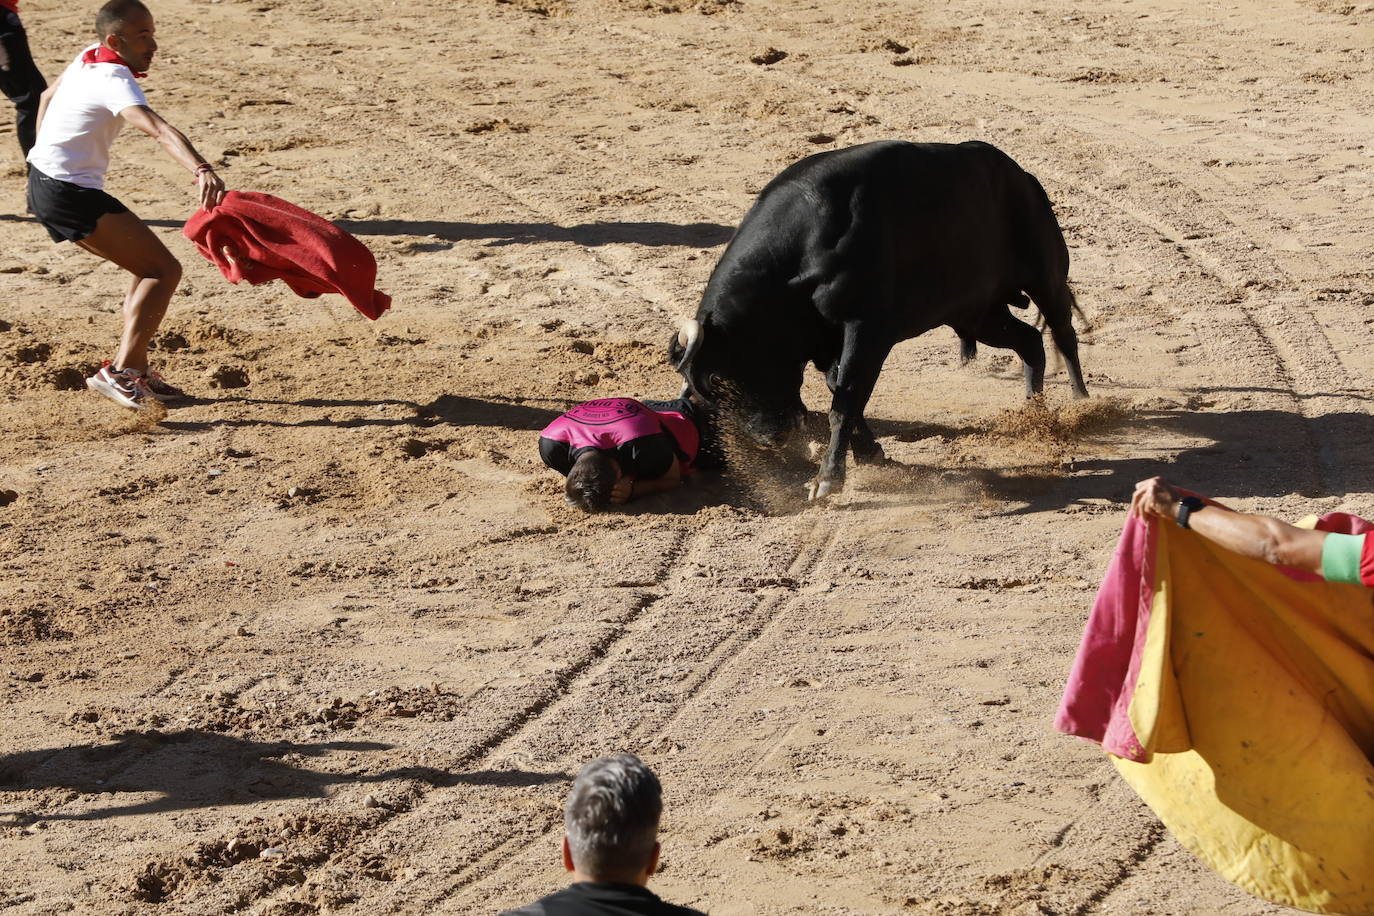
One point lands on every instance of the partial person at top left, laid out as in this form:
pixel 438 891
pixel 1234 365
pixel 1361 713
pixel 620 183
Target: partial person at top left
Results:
pixel 78 119
pixel 20 79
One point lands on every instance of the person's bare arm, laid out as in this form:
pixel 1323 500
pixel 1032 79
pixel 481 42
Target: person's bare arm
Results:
pixel 180 149
pixel 1256 536
pixel 628 488
pixel 44 98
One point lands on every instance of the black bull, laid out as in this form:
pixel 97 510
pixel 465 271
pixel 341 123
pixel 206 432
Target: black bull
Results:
pixel 848 252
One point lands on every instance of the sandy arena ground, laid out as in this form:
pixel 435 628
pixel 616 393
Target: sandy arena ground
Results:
pixel 340 613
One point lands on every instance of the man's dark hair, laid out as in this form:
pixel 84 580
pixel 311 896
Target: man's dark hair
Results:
pixel 611 818
pixel 114 14
pixel 590 480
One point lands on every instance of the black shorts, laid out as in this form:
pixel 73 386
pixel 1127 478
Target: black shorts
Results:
pixel 645 458
pixel 68 211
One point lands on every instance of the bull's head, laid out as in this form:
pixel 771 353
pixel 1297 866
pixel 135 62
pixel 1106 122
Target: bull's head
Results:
pixel 742 375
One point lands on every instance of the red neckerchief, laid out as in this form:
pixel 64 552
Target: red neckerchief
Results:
pixel 103 55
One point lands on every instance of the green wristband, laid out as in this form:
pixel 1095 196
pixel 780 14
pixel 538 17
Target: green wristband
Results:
pixel 1341 558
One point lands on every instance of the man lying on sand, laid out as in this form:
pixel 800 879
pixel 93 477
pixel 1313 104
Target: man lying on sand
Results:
pixel 78 119
pixel 613 450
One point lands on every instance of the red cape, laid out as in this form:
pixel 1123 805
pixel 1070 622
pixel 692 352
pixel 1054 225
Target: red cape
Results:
pixel 1097 699
pixel 260 238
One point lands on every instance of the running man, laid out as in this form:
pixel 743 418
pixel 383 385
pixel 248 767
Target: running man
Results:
pixel 78 119
pixel 19 77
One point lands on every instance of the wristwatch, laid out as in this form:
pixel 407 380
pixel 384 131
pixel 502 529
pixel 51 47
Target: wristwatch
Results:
pixel 1186 507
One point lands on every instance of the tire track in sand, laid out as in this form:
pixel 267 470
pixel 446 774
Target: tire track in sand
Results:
pixel 815 542
pixel 230 884
pixel 651 662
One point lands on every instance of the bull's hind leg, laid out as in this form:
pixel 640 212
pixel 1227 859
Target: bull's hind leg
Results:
pixel 1000 328
pixel 1057 304
pixel 851 379
pixel 863 444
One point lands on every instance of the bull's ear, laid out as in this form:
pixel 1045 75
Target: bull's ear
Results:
pixel 675 350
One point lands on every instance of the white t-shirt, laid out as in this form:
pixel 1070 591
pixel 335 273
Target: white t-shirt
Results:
pixel 82 121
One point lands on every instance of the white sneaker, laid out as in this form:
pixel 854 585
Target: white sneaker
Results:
pixel 124 388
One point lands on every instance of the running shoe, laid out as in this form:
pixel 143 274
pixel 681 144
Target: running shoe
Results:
pixel 124 388
pixel 158 388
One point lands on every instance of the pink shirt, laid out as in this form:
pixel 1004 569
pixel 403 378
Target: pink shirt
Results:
pixel 609 423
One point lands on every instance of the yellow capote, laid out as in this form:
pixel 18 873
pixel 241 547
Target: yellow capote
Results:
pixel 1255 704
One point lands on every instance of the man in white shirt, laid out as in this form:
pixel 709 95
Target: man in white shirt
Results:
pixel 78 119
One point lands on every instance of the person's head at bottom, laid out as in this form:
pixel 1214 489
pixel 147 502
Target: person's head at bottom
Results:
pixel 611 822
pixel 593 476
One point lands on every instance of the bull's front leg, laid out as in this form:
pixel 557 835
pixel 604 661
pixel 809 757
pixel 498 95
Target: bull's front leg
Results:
pixel 862 442
pixel 852 380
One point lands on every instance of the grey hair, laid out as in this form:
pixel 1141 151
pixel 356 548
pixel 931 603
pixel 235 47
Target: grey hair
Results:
pixel 611 817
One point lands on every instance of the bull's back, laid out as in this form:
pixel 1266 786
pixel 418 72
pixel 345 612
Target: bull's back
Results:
pixel 930 229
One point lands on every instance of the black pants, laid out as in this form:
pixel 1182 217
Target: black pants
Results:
pixel 21 83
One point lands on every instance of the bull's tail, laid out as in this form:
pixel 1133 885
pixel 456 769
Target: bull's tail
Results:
pixel 1056 316
pixel 1041 325
pixel 1077 309
pixel 968 349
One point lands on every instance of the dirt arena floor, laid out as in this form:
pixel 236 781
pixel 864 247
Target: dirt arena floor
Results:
pixel 326 640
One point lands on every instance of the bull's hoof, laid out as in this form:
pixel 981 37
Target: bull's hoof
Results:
pixel 819 489
pixel 875 455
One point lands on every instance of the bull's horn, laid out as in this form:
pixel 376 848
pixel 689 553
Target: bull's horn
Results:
pixel 689 337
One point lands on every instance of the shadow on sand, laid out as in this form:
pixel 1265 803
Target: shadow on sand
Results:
pixel 450 409
pixel 199 769
pixel 590 235
pixel 1253 453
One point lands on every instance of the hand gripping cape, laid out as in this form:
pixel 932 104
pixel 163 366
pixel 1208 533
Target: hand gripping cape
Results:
pixel 260 238
pixel 1237 699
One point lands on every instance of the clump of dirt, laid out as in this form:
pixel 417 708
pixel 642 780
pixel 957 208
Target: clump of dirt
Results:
pixel 1037 421
pixel 33 353
pixel 222 712
pixel 280 851
pixel 1097 75
pixel 28 624
pixel 646 359
pixel 170 340
pixel 228 377
pixel 411 448
pixel 665 7
pixel 1037 436
pixel 211 336
pixel 550 8
pixel 69 378
pixel 782 843
pixel 487 125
